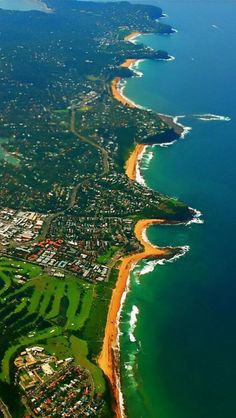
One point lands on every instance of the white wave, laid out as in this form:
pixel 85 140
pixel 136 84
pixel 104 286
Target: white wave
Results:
pixel 128 367
pixel 149 267
pixel 215 26
pixel 118 382
pixel 145 238
pixel 118 320
pixel 197 214
pixel 186 129
pixel 120 87
pixel 135 68
pixel 133 321
pixel 171 58
pixel 166 144
pixel 137 278
pixel 139 177
pixel 163 16
pixel 210 117
pixel 146 159
pixel 134 40
pixel 183 250
pixel 138 73
pixel 133 316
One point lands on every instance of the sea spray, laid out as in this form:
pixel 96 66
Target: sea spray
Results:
pixel 186 129
pixel 130 320
pixel 121 87
pixel 135 68
pixel 133 40
pixel 208 117
pixel 118 319
pixel 147 158
pixel 165 144
pixel 197 214
pixel 133 321
pixel 170 58
pixel 139 177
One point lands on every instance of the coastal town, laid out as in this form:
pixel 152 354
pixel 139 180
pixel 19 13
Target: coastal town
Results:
pixel 54 387
pixel 19 226
pixel 72 213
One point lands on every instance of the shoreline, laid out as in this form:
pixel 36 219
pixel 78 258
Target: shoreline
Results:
pixel 108 359
pixel 129 62
pixel 117 93
pixel 132 163
pixel 131 37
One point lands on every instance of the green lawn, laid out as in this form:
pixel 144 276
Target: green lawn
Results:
pixel 67 316
pixel 104 258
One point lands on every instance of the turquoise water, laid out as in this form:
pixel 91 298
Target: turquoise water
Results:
pixel 22 5
pixel 180 359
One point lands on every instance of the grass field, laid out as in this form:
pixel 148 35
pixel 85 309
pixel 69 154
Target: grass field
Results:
pixel 106 257
pixel 67 316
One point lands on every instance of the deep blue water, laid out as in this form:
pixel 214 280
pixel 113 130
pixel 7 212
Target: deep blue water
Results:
pixel 183 362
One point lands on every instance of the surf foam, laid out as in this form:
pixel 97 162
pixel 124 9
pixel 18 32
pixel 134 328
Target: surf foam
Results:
pixel 197 214
pixel 139 177
pixel 133 322
pixel 208 117
pixel 186 129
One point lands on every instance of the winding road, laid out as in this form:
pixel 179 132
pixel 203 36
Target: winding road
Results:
pixel 105 162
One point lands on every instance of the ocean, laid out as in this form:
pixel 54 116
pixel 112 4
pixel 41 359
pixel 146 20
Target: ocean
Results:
pixel 178 342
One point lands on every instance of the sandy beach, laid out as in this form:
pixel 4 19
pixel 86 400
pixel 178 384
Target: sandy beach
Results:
pixel 131 163
pixel 128 63
pixel 117 94
pixel 115 87
pixel 108 359
pixel 131 36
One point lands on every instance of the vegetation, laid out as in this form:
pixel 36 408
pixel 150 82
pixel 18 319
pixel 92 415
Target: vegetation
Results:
pixel 41 81
pixel 106 257
pixel 63 148
pixel 55 313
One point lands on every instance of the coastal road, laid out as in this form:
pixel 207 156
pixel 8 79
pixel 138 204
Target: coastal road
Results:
pixel 104 153
pixel 72 200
